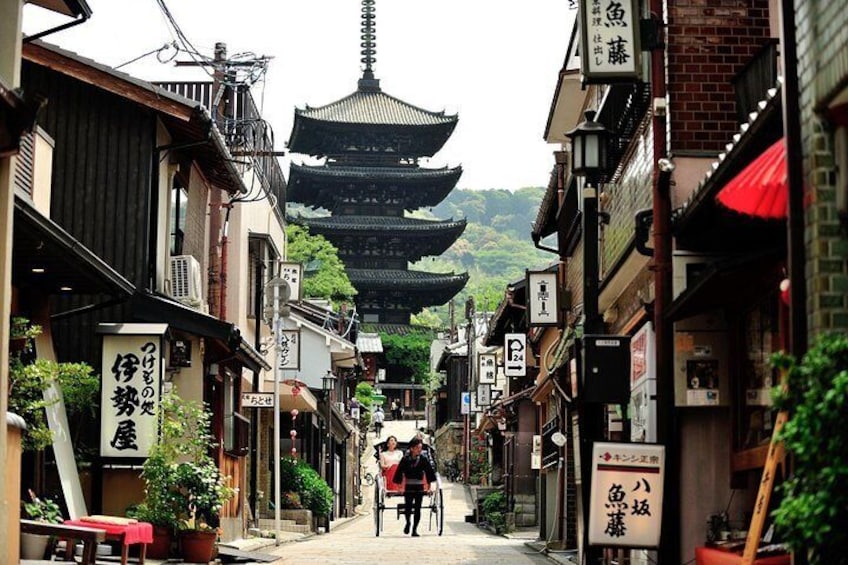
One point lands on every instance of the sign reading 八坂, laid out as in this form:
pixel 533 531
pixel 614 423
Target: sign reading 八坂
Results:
pixel 625 508
pixel 129 398
pixel 609 41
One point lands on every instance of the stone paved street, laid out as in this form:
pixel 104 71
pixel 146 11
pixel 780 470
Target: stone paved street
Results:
pixel 354 542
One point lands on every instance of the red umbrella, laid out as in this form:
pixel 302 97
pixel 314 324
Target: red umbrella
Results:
pixel 761 188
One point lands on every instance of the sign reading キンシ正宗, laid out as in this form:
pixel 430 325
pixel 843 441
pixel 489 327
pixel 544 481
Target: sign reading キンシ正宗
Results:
pixel 133 363
pixel 609 41
pixel 625 509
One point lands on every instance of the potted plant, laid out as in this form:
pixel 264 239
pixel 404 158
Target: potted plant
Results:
pixel 184 490
pixel 34 546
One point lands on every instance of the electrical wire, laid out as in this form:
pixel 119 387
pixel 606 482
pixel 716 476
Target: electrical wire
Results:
pixel 158 51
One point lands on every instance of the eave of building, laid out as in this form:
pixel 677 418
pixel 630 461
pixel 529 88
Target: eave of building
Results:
pixel 570 96
pixel 375 107
pixel 382 226
pixel 396 279
pixel 187 120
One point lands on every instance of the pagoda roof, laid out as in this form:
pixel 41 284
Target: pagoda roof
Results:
pixel 370 122
pixel 433 289
pixel 375 107
pixel 380 224
pixel 320 186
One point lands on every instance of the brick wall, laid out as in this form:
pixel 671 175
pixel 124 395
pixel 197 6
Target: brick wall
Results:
pixel 709 41
pixel 822 46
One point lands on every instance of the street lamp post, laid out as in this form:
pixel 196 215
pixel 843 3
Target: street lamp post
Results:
pixel 589 159
pixel 279 310
pixel 328 383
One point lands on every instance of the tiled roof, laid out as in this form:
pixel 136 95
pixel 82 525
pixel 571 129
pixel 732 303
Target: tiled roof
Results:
pixel 379 223
pixel 375 172
pixel 369 343
pixel 398 279
pixel 375 107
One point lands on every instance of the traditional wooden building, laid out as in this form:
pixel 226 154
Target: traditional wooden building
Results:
pixel 372 145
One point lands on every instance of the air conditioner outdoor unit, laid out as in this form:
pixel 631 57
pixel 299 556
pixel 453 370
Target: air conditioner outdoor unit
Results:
pixel 687 267
pixel 186 282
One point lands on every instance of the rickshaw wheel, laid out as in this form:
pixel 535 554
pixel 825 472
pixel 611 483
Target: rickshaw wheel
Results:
pixel 378 510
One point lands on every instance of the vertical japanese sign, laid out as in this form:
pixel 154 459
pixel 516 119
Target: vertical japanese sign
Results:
pixel 487 367
pixel 290 349
pixel 610 40
pixel 542 303
pixel 129 397
pixel 625 508
pixel 292 273
pixel 515 355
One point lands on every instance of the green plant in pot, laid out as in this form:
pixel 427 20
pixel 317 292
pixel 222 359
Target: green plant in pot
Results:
pixel 184 489
pixel 34 546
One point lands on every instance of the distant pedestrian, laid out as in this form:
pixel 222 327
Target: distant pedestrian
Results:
pixel 378 418
pixel 394 410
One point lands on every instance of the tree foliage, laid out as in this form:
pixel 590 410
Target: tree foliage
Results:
pixel 411 351
pixel 814 510
pixel 325 275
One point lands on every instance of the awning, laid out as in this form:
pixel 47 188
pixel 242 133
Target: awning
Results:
pixel 296 395
pixel 727 283
pixel 761 188
pixel 47 258
pixel 157 308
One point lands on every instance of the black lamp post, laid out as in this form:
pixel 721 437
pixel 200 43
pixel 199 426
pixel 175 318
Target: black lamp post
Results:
pixel 589 160
pixel 328 383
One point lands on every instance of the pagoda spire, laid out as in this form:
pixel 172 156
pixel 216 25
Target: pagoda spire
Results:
pixel 369 46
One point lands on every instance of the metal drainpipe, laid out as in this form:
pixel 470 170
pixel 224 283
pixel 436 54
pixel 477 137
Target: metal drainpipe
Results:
pixel 224 255
pixel 669 551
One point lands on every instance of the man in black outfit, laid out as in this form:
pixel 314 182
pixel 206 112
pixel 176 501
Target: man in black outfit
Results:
pixel 414 467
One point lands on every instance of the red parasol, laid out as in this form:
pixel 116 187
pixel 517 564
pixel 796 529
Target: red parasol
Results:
pixel 761 188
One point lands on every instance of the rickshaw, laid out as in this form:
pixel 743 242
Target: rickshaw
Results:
pixel 385 490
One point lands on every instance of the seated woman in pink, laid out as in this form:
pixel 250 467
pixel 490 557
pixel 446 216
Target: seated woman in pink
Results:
pixel 389 459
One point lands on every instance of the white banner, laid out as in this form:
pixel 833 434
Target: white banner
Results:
pixel 129 397
pixel 609 40
pixel 290 349
pixel 257 400
pixel 487 368
pixel 542 303
pixel 292 273
pixel 515 355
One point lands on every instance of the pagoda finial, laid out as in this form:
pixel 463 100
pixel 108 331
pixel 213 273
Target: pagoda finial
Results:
pixel 369 46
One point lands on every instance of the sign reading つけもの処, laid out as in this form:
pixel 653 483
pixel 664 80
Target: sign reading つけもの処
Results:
pixel 625 508
pixel 133 363
pixel 610 41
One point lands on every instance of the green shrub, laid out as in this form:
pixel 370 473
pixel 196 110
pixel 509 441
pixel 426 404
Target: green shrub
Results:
pixel 296 476
pixel 494 510
pixel 814 508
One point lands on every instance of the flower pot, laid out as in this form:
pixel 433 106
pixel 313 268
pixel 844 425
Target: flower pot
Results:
pixel 33 546
pixel 161 546
pixel 197 546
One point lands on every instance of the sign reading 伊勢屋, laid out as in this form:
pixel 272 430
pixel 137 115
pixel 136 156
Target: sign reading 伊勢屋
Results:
pixel 609 41
pixel 129 399
pixel 625 508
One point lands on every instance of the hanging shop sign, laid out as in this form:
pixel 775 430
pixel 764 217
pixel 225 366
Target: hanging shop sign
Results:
pixel 465 405
pixel 536 454
pixel 133 363
pixel 290 350
pixel 292 273
pixel 515 355
pixel 542 303
pixel 488 368
pixel 609 41
pixel 625 508
pixel 484 395
pixel 257 400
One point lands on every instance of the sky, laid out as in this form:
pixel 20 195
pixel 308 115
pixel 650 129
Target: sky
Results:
pixel 493 63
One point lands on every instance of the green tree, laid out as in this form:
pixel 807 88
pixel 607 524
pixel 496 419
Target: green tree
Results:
pixel 411 351
pixel 325 275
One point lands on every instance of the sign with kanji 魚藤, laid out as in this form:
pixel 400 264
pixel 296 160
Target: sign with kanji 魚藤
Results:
pixel 609 41
pixel 292 273
pixel 487 368
pixel 625 508
pixel 129 397
pixel 289 349
pixel 542 303
pixel 515 355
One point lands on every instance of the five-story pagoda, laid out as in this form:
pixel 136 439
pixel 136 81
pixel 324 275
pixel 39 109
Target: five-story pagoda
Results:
pixel 372 145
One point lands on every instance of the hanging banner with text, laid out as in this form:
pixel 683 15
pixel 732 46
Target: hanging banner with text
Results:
pixel 515 355
pixel 132 378
pixel 292 273
pixel 290 350
pixel 609 41
pixel 625 509
pixel 542 303
pixel 487 368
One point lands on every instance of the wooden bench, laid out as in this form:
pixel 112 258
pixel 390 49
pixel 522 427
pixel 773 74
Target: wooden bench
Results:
pixel 89 537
